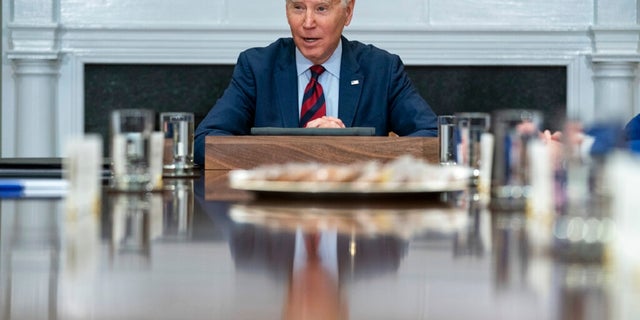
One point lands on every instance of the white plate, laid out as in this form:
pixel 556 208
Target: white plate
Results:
pixel 241 179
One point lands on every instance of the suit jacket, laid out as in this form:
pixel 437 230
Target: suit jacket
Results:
pixel 632 132
pixel 375 91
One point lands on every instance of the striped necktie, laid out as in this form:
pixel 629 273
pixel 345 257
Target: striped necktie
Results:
pixel 313 105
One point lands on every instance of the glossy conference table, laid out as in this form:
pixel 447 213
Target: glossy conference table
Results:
pixel 183 254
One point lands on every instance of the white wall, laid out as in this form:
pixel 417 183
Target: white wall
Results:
pixel 47 42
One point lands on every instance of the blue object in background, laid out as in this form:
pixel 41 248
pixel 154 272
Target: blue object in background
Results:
pixel 40 188
pixel 607 137
pixel 632 134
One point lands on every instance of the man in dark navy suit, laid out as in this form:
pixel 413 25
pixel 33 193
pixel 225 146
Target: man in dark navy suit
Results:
pixel 362 86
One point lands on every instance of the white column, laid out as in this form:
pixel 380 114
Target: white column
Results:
pixel 33 51
pixel 35 122
pixel 614 89
pixel 615 59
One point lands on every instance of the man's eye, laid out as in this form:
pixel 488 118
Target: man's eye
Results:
pixel 322 9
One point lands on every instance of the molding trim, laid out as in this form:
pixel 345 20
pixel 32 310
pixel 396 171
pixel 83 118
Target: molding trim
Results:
pixel 415 46
pixel 37 37
pixel 618 42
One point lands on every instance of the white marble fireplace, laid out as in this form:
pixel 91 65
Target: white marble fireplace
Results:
pixel 46 43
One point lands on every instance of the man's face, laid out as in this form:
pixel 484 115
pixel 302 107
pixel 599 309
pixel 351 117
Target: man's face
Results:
pixel 316 26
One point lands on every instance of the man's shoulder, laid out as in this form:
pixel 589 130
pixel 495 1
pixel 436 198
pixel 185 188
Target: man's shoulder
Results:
pixel 368 54
pixel 633 128
pixel 362 51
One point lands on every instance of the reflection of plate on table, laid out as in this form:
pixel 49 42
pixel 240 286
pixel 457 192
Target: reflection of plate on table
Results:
pixel 399 220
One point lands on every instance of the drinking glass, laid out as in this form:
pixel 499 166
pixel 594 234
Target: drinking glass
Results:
pixel 470 127
pixel 178 141
pixel 130 149
pixel 83 170
pixel 513 129
pixel 446 137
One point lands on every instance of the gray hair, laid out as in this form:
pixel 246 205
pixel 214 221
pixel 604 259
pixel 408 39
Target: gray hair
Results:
pixel 344 2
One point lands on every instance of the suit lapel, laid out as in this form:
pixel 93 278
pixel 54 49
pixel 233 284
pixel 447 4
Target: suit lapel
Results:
pixel 286 83
pixel 350 85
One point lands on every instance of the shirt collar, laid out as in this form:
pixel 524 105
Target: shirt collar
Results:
pixel 332 65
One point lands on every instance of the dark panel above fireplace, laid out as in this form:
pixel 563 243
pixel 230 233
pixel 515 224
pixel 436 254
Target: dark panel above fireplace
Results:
pixel 451 89
pixel 196 88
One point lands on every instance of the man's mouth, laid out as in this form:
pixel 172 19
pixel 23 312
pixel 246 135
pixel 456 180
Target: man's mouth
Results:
pixel 310 39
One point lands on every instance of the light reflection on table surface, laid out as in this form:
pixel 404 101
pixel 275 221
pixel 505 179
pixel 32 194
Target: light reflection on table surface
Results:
pixel 175 255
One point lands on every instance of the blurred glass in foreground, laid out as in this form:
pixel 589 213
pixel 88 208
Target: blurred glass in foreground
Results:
pixel 513 129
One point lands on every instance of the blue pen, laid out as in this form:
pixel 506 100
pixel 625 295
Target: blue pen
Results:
pixel 11 188
pixel 11 185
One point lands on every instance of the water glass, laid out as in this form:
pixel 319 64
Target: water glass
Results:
pixel 131 131
pixel 178 141
pixel 470 128
pixel 83 170
pixel 513 129
pixel 446 137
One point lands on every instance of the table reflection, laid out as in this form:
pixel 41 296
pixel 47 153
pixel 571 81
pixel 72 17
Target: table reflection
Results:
pixel 134 223
pixel 358 243
pixel 475 238
pixel 178 209
pixel 406 258
pixel 30 259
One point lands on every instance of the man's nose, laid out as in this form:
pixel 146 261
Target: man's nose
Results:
pixel 309 19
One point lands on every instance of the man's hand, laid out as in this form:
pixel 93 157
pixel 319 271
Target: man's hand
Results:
pixel 547 136
pixel 554 141
pixel 325 122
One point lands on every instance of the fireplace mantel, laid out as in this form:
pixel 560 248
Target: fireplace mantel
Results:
pixel 46 44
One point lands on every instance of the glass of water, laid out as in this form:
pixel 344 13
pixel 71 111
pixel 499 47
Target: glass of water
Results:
pixel 447 139
pixel 131 131
pixel 514 130
pixel 470 128
pixel 178 142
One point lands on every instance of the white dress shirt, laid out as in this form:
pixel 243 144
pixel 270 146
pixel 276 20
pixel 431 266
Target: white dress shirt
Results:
pixel 330 79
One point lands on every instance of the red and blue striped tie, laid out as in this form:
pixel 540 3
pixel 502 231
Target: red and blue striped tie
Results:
pixel 313 105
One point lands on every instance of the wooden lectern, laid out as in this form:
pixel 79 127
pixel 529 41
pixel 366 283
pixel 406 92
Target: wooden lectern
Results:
pixel 246 152
pixel 225 153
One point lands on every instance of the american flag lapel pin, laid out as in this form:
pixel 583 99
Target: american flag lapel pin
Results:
pixel 355 82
